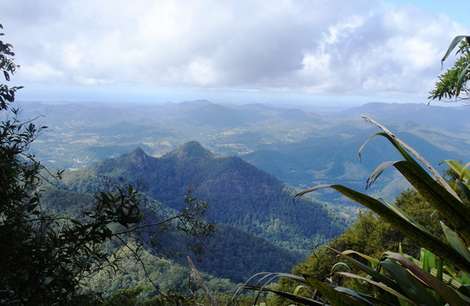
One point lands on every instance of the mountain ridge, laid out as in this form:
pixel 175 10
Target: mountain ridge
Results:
pixel 239 194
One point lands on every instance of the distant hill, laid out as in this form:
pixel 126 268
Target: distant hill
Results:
pixel 82 133
pixel 295 145
pixel 414 114
pixel 334 158
pixel 254 212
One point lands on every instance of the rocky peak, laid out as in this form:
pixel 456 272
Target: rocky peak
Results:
pixel 192 150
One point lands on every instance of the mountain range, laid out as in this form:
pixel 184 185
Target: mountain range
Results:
pixel 246 162
pixel 298 146
pixel 253 211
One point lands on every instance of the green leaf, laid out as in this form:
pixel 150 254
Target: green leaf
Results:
pixel 293 297
pixel 377 276
pixel 336 298
pixel 382 286
pixel 400 221
pixel 357 295
pixel 340 266
pixel 428 260
pixel 378 171
pixel 408 284
pixel 408 152
pixel 451 296
pixel 455 241
pixel 460 170
pixel 299 288
pixel 450 207
pixel 453 44
pixel 373 261
pixel 464 190
pixel 462 75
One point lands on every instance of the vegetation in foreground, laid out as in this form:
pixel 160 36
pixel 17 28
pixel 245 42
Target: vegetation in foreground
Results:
pixel 439 274
pixel 48 258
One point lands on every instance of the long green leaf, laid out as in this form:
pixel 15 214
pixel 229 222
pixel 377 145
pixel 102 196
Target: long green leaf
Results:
pixel 293 297
pixel 453 44
pixel 451 296
pixel 377 276
pixel 378 171
pixel 340 266
pixel 455 241
pixel 410 229
pixel 408 152
pixel 435 189
pixel 261 276
pixel 382 286
pixel 464 190
pixel 428 260
pixel 377 301
pixel 356 295
pixel 460 170
pixel 373 261
pixel 299 288
pixel 462 75
pixel 453 210
pixel 336 298
pixel 408 284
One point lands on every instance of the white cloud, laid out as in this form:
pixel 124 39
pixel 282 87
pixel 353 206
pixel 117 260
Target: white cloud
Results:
pixel 41 71
pixel 202 72
pixel 352 47
pixel 387 51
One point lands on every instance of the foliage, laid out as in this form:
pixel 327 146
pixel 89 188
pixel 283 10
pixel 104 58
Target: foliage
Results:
pixel 47 256
pixel 369 234
pixel 440 276
pixel 453 82
pixel 170 276
pixel 132 297
pixel 8 67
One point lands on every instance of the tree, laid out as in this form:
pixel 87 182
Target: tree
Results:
pixel 452 84
pixel 45 257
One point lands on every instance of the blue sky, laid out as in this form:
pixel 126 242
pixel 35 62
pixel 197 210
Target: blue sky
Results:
pixel 280 51
pixel 457 10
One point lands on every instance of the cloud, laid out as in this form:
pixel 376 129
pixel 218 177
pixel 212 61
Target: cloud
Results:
pixel 395 50
pixel 338 47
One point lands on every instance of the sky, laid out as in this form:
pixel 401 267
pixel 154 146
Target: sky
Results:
pixel 277 51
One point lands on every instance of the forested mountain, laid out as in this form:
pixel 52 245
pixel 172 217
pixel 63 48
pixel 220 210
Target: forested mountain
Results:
pixel 253 211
